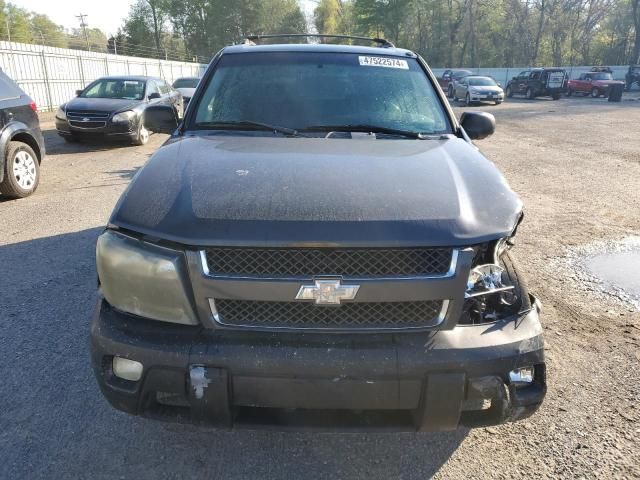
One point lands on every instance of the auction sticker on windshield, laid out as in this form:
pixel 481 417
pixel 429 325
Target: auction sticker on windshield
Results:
pixel 384 62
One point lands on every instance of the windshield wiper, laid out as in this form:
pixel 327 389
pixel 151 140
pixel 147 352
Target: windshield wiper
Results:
pixel 243 124
pixel 367 129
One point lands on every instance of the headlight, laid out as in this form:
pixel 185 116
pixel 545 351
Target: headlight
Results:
pixel 144 279
pixel 123 117
pixel 60 114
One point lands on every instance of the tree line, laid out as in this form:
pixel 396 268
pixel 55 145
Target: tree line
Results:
pixel 456 33
pixel 495 33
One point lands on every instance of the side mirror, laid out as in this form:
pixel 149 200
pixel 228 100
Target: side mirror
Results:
pixel 154 96
pixel 79 92
pixel 160 119
pixel 478 125
pixel 500 84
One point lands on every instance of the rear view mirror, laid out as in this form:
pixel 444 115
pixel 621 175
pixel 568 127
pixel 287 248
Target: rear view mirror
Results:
pixel 79 92
pixel 160 119
pixel 478 125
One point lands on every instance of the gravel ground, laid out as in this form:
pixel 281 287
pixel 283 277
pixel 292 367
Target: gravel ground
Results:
pixel 576 164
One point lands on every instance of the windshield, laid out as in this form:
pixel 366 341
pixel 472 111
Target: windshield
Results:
pixel 460 74
pixel 186 83
pixel 301 90
pixel 482 82
pixel 602 76
pixel 115 88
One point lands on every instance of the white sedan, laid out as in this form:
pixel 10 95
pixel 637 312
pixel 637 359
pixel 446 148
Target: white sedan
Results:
pixel 475 88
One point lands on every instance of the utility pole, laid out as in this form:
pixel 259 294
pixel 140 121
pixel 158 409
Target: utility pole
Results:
pixel 84 25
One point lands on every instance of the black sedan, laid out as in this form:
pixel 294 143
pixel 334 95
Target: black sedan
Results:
pixel 113 107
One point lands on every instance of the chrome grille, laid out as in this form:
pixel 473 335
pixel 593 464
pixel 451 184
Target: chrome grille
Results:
pixel 346 262
pixel 87 119
pixel 349 316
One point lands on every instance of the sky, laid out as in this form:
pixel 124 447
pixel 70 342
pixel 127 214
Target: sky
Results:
pixel 107 15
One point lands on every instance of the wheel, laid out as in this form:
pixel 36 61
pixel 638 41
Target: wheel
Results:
pixel 21 171
pixel 530 94
pixel 509 92
pixel 450 92
pixel 595 92
pixel 569 92
pixel 143 135
pixel 498 102
pixel 555 96
pixel 467 100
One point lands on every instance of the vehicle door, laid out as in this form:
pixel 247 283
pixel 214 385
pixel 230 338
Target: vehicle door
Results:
pixel 461 88
pixel 445 79
pixel 535 82
pixel 174 97
pixel 583 84
pixel 522 82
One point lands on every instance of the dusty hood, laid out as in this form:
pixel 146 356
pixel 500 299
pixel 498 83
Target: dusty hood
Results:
pixel 206 190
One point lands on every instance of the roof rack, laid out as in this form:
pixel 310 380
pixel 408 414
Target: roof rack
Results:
pixel 251 39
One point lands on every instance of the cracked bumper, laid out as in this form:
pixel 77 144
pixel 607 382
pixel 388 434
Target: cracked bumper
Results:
pixel 411 382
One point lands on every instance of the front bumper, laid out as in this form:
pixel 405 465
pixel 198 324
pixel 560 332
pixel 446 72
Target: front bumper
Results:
pixel 485 97
pixel 411 381
pixel 110 130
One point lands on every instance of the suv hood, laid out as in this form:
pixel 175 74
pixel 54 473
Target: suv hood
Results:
pixel 246 190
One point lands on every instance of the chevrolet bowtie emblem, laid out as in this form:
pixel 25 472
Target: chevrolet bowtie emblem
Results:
pixel 327 292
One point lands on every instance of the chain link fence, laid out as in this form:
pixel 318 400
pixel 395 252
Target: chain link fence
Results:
pixel 52 75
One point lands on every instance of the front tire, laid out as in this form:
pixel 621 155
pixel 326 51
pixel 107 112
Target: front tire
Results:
pixel 467 100
pixel 509 92
pixel 450 92
pixel 595 92
pixel 530 94
pixel 21 171
pixel 555 96
pixel 142 138
pixel 569 92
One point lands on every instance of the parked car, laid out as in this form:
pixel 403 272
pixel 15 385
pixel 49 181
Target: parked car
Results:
pixel 303 246
pixel 632 76
pixel 186 86
pixel 21 141
pixel 595 84
pixel 449 78
pixel 113 108
pixel 538 82
pixel 475 88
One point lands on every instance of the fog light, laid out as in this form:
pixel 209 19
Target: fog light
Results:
pixel 127 369
pixel 521 376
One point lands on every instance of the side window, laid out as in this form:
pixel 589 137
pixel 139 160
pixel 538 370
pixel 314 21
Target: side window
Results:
pixel 524 74
pixel 582 77
pixel 8 89
pixel 535 76
pixel 152 88
pixel 164 88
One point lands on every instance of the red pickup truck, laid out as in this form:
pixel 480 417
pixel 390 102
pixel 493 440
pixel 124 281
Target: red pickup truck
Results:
pixel 594 83
pixel 449 78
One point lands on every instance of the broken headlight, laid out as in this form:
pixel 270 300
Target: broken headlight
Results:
pixel 494 290
pixel 143 279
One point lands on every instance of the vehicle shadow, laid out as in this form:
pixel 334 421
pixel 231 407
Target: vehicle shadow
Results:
pixel 48 386
pixel 126 174
pixel 56 145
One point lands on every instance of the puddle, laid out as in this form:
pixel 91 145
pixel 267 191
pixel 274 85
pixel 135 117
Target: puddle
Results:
pixel 607 269
pixel 621 269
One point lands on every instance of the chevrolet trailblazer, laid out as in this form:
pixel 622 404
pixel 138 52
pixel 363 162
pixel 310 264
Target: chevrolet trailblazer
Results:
pixel 317 245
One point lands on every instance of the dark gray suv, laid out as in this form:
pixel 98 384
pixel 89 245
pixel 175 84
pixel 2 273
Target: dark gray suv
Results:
pixel 317 245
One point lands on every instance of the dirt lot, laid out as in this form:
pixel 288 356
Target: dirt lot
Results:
pixel 576 164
